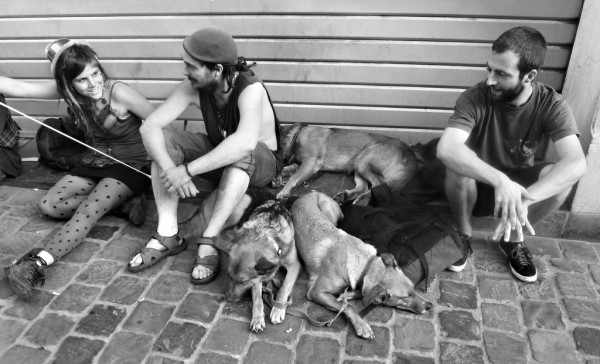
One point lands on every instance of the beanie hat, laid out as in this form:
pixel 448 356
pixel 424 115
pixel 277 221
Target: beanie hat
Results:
pixel 212 45
pixel 55 49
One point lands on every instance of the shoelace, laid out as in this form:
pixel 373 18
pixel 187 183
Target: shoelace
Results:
pixel 37 275
pixel 523 255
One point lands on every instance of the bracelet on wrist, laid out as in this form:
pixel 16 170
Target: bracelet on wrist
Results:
pixel 187 170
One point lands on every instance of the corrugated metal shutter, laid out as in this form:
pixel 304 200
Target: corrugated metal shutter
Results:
pixel 390 66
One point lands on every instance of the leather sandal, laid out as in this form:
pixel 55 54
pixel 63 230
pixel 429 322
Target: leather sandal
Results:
pixel 173 245
pixel 210 262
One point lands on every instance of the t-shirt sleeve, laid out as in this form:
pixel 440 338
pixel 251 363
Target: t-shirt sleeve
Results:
pixel 560 121
pixel 465 112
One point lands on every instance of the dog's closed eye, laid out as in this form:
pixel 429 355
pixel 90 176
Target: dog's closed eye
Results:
pixel 264 266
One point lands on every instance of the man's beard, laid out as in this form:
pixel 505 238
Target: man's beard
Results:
pixel 508 95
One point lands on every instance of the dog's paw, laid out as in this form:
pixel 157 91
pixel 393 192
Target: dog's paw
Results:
pixel 341 197
pixel 277 315
pixel 257 324
pixel 364 330
pixel 277 182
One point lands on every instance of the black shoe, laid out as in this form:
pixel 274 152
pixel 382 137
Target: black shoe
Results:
pixel 25 273
pixel 133 210
pixel 462 263
pixel 519 259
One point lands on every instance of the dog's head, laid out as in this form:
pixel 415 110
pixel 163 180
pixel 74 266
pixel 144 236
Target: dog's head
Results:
pixel 386 284
pixel 254 258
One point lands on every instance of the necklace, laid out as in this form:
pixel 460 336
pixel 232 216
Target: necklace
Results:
pixel 220 123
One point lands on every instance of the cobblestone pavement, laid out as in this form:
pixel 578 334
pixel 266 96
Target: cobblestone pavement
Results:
pixel 91 310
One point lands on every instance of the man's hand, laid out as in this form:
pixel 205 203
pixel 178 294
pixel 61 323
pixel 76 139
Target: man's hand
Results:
pixel 178 182
pixel 512 201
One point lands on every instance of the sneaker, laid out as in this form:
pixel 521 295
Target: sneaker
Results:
pixel 25 273
pixel 519 259
pixel 462 263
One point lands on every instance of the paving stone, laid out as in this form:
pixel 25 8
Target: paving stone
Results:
pixel 361 362
pixel 78 350
pixel 27 197
pixel 124 290
pixel 149 317
pixel 126 347
pixel 76 298
pixel 578 250
pixel 31 309
pixel 99 272
pixel 380 314
pixel 587 340
pixel 567 265
pixel 552 226
pixel 583 312
pixel 163 360
pixel 595 272
pixel 37 223
pixel 261 352
pixel 29 212
pixel 11 224
pixel 240 309
pixel 5 290
pixel 378 348
pixel 183 262
pixel 401 358
pixel 320 313
pixel 575 285
pixel 199 306
pixel 24 354
pixel 181 339
pixel 550 347
pixel 168 287
pixel 501 317
pixel 466 276
pixel 543 289
pixel 11 329
pixel 49 330
pixel 458 295
pixel 213 358
pixel 490 261
pixel 504 348
pixel 286 332
pixel 451 353
pixel 82 253
pixel 102 320
pixel 542 315
pixel 142 233
pixel 228 335
pixel 412 334
pixel 582 227
pixel 120 249
pixel 102 232
pixel 459 325
pixel 315 349
pixel 59 275
pixel 19 243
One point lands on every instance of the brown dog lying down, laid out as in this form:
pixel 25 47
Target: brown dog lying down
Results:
pixel 374 159
pixel 335 261
pixel 257 249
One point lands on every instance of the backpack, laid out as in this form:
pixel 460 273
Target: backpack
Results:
pixel 420 240
pixel 56 151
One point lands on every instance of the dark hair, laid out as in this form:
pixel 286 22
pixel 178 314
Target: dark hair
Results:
pixel 230 70
pixel 527 43
pixel 69 65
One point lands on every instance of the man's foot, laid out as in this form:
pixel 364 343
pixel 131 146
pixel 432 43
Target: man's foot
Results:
pixel 519 259
pixel 206 267
pixel 26 273
pixel 157 248
pixel 462 263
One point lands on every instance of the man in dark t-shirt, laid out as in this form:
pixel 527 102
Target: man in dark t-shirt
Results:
pixel 241 146
pixel 490 145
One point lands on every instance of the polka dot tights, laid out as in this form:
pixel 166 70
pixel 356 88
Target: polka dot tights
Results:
pixel 83 202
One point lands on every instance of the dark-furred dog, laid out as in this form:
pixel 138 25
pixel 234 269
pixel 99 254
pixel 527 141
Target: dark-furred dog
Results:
pixel 336 260
pixel 257 245
pixel 373 158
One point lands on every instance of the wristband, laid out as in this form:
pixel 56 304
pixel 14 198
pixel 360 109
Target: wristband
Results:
pixel 187 170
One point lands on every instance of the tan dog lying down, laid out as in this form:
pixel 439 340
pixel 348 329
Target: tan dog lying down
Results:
pixel 373 158
pixel 335 261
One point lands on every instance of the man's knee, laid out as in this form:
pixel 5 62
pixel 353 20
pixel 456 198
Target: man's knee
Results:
pixel 457 180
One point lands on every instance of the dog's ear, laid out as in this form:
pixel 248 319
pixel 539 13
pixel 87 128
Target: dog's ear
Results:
pixel 375 295
pixel 389 260
pixel 264 266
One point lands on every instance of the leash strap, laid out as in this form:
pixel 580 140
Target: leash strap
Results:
pixel 71 138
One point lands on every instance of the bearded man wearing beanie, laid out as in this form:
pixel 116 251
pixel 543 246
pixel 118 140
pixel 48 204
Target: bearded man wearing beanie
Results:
pixel 241 146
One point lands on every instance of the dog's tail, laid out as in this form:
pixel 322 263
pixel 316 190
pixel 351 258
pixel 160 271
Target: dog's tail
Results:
pixel 289 134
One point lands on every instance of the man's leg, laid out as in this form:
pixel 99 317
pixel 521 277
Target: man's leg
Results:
pixel 461 193
pixel 232 187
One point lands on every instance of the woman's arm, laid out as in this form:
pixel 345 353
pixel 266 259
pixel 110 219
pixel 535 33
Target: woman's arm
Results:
pixel 28 89
pixel 131 100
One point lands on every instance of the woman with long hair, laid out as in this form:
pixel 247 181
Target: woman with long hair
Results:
pixel 108 115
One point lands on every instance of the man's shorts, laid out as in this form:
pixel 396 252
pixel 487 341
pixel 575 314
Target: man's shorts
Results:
pixel 184 147
pixel 434 175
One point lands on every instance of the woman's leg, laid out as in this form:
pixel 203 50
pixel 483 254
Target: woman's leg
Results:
pixel 63 199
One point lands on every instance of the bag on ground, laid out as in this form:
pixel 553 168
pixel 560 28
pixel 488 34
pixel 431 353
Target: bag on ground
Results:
pixel 57 151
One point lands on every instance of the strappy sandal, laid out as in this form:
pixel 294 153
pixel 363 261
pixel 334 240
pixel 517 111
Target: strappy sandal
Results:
pixel 173 245
pixel 209 262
